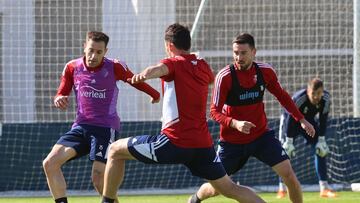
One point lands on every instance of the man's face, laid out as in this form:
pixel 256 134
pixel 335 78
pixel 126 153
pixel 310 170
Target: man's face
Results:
pixel 243 55
pixel 315 95
pixel 94 52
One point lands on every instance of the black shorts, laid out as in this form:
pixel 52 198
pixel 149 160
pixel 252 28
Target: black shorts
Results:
pixel 89 139
pixel 266 148
pixel 202 162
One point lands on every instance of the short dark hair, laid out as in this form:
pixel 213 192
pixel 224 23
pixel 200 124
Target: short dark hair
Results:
pixel 245 38
pixel 179 35
pixel 315 83
pixel 97 37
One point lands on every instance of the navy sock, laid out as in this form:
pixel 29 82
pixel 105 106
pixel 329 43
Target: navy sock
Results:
pixel 61 200
pixel 195 199
pixel 107 200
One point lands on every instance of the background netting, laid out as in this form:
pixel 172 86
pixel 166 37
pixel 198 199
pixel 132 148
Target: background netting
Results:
pixel 301 39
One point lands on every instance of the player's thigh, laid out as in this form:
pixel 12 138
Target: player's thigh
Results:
pixel 60 154
pixel 233 156
pixel 268 149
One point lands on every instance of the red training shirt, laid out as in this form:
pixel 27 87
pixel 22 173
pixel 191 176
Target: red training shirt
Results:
pixel 254 113
pixel 185 100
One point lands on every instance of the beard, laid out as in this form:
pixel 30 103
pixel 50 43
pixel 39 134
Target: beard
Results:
pixel 243 66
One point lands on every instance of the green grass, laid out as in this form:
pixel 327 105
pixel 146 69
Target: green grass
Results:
pixel 309 197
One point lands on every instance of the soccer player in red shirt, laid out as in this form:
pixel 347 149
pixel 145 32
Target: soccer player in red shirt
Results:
pixel 237 104
pixel 94 79
pixel 184 138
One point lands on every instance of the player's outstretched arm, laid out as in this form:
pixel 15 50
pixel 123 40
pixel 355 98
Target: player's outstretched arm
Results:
pixel 150 72
pixel 307 127
pixel 143 86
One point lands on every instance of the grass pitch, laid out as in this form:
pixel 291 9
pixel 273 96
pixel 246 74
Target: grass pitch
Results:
pixel 309 197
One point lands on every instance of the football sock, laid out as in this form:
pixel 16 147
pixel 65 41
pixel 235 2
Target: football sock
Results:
pixel 281 186
pixel 107 200
pixel 323 185
pixel 61 200
pixel 195 199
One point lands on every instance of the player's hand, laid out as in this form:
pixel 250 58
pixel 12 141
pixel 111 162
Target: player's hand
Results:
pixel 242 126
pixel 137 78
pixel 154 101
pixel 61 102
pixel 289 147
pixel 309 129
pixel 321 147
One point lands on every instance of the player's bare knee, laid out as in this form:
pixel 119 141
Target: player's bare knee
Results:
pixel 117 148
pixel 288 175
pixel 50 164
pixel 210 192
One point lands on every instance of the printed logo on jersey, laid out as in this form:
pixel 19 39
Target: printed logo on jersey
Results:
pixel 91 92
pixel 249 95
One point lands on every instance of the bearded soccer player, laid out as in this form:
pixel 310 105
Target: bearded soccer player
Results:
pixel 237 104
pixel 184 138
pixel 94 79
pixel 312 101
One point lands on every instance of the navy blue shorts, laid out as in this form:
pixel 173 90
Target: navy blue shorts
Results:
pixel 89 139
pixel 157 149
pixel 266 148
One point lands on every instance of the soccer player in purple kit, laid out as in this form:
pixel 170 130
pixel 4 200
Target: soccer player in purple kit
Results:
pixel 94 79
pixel 185 137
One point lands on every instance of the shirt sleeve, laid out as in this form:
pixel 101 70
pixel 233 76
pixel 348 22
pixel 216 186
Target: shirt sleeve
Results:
pixel 170 76
pixel 67 81
pixel 274 87
pixel 323 117
pixel 123 73
pixel 221 89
